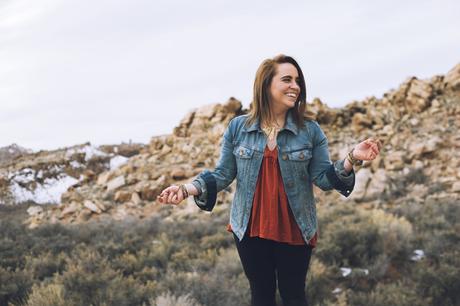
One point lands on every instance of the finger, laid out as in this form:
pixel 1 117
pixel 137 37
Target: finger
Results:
pixel 375 148
pixel 179 197
pixel 171 196
pixel 377 142
pixel 175 199
pixel 165 191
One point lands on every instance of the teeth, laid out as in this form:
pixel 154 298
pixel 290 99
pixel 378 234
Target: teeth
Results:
pixel 291 95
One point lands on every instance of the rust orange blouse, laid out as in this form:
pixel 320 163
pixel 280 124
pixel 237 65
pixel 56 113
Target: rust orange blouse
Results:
pixel 271 217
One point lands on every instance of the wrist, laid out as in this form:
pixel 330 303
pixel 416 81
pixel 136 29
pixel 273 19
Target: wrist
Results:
pixel 347 165
pixel 352 159
pixel 192 190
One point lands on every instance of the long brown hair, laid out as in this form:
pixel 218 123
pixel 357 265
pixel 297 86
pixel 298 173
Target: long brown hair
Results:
pixel 260 105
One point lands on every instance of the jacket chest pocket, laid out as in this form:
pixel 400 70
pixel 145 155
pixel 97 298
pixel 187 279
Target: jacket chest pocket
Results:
pixel 299 161
pixel 244 159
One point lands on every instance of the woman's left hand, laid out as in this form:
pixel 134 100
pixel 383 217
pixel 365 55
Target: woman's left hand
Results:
pixel 367 150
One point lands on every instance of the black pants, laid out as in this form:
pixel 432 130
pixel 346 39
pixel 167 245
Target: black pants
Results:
pixel 266 261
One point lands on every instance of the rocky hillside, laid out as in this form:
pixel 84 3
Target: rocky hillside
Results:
pixel 417 122
pixel 9 153
pixel 43 176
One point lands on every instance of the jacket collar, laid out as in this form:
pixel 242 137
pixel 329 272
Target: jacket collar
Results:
pixel 289 124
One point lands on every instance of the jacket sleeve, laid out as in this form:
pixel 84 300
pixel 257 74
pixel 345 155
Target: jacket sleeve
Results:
pixel 211 182
pixel 325 174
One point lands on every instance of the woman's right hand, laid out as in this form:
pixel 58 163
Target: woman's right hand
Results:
pixel 171 195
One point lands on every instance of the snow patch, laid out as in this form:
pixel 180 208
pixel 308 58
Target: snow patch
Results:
pixel 336 290
pixel 89 151
pixel 23 176
pixel 117 161
pixel 345 271
pixel 76 164
pixel 49 192
pixel 418 255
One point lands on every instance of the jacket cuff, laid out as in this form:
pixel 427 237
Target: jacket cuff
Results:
pixel 341 181
pixel 207 184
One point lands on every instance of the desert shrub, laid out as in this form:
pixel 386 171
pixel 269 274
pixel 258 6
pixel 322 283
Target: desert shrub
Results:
pixel 46 295
pixel 127 264
pixel 319 283
pixel 220 239
pixel 14 243
pixel 355 237
pixel 11 253
pixel 167 299
pixel 395 294
pixel 54 238
pixel 435 223
pixel 14 286
pixel 45 265
pixel 217 278
pixel 224 283
pixel 89 280
pixel 397 185
pixel 439 282
pixel 350 240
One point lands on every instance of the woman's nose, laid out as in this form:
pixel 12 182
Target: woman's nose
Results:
pixel 295 86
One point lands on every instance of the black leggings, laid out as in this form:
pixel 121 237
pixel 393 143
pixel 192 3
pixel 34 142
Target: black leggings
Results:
pixel 266 261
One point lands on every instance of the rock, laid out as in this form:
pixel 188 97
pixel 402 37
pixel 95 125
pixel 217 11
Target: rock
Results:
pixel 84 215
pixel 69 210
pixel 456 187
pixel 120 213
pixel 377 184
pixel 363 176
pixel 419 190
pixel 394 161
pixel 92 207
pixel 178 174
pixel 122 196
pixel 452 78
pixel 103 178
pixel 418 96
pixel 34 210
pixel 361 121
pixel 432 144
pixel 135 198
pixel 416 149
pixel 116 183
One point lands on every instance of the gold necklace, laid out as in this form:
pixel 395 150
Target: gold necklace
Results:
pixel 271 131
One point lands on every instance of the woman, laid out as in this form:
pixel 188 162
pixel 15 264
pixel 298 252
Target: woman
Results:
pixel 276 155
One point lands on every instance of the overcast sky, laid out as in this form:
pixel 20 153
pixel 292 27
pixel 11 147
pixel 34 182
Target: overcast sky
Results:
pixel 108 71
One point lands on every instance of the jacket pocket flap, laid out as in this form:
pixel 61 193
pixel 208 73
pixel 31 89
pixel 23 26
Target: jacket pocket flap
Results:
pixel 243 152
pixel 301 155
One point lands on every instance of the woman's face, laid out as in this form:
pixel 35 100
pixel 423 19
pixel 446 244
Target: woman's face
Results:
pixel 284 87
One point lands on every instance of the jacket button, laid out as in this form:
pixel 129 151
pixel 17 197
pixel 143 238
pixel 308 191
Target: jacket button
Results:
pixel 241 152
pixel 290 184
pixel 301 156
pixel 284 157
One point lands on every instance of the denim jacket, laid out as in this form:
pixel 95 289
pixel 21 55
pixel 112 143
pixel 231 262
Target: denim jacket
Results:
pixel 303 159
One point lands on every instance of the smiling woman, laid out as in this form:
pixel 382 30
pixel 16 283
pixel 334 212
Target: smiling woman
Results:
pixel 276 153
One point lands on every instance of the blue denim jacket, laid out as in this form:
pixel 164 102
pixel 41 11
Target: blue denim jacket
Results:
pixel 303 159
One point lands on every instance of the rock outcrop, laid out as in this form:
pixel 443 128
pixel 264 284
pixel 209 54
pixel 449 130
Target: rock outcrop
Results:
pixel 418 123
pixel 11 152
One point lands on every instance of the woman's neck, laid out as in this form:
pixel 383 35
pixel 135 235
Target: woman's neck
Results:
pixel 278 119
